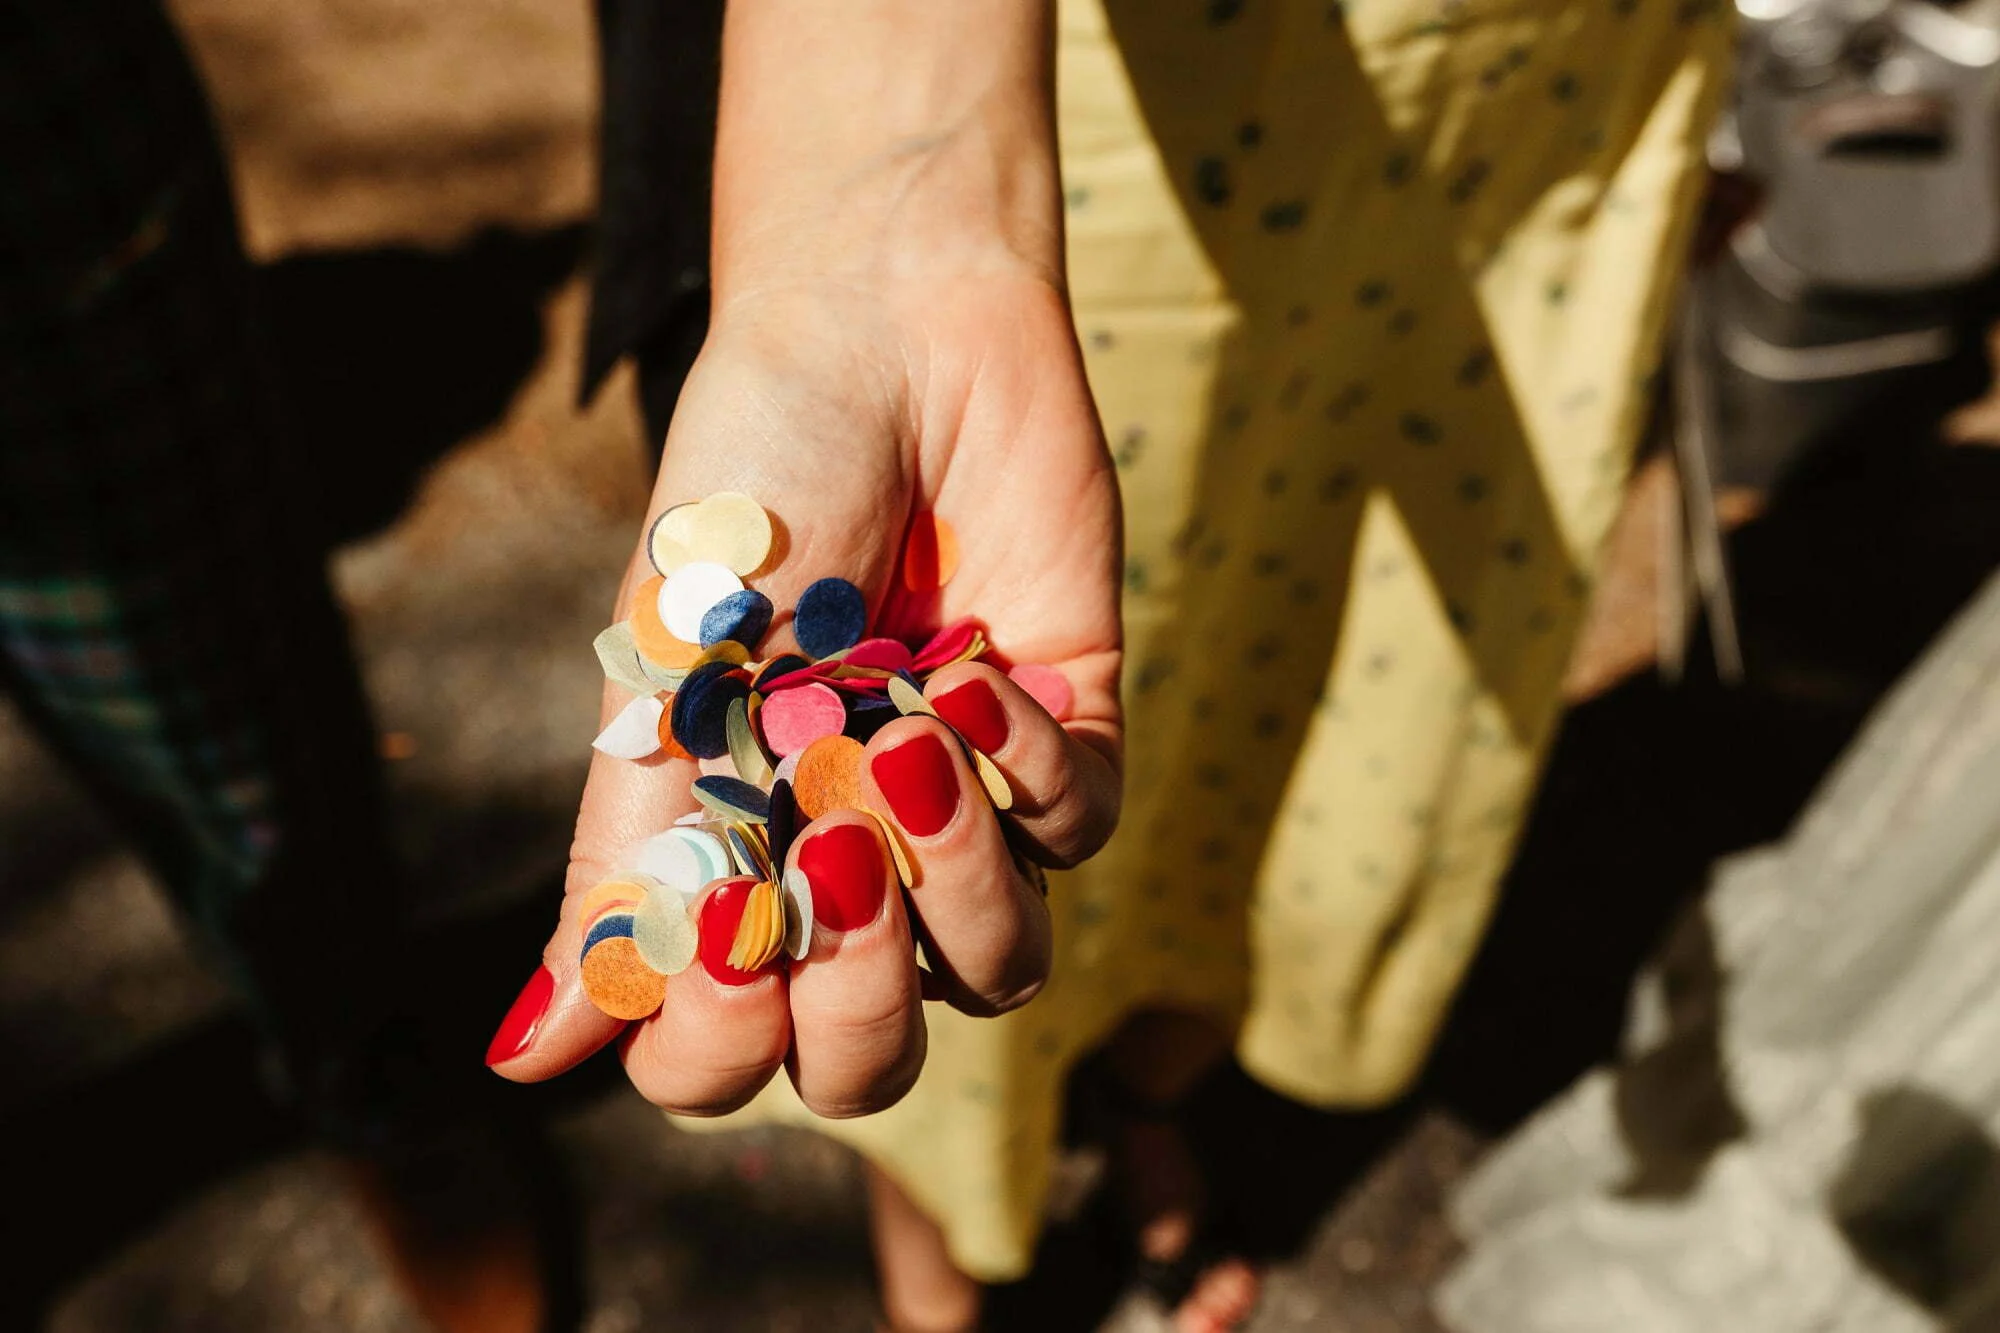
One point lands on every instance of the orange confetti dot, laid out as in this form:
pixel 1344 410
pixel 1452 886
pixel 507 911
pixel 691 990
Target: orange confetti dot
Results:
pixel 828 776
pixel 930 554
pixel 670 747
pixel 618 981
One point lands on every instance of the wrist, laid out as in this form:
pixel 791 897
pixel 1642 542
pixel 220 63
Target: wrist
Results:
pixel 924 153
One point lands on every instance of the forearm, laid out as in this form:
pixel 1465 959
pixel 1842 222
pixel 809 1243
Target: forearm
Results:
pixel 873 141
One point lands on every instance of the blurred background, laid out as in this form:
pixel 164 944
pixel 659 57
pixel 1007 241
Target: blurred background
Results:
pixel 415 183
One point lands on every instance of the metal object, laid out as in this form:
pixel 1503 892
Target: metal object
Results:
pixel 1872 129
pixel 1872 126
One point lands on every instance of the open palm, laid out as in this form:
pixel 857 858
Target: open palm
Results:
pixel 843 414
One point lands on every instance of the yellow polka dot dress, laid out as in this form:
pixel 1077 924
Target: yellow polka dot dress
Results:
pixel 1370 295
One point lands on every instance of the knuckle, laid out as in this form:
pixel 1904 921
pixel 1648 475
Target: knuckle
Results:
pixel 992 1004
pixel 852 1065
pixel 1070 819
pixel 699 1093
pixel 867 1095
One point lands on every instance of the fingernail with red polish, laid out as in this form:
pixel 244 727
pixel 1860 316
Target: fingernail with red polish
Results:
pixel 844 866
pixel 919 783
pixel 523 1020
pixel 721 914
pixel 974 709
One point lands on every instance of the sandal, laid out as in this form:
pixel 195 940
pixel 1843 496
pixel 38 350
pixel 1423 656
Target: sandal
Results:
pixel 1169 1282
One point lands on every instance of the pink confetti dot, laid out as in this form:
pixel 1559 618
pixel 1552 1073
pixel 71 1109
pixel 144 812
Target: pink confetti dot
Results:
pixel 1047 687
pixel 793 719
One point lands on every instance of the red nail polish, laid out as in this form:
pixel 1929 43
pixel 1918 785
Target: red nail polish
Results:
pixel 721 914
pixel 920 784
pixel 974 709
pixel 844 866
pixel 523 1020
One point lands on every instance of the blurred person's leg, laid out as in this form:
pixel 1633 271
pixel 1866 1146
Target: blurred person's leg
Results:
pixel 165 622
pixel 1154 1061
pixel 165 619
pixel 923 1291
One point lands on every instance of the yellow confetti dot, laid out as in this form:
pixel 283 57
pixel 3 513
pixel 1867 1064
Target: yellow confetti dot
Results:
pixel 730 529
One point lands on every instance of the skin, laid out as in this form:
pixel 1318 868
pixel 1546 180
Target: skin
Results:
pixel 890 333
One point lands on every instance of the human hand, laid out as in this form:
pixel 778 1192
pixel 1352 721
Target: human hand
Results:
pixel 843 412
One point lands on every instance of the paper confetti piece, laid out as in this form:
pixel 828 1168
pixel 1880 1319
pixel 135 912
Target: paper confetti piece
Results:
pixel 1047 687
pixel 830 615
pixel 618 981
pixel 990 777
pixel 635 732
pixel 760 935
pixel 828 776
pixel 709 851
pixel 664 933
pixel 610 926
pixel 730 529
pixel 794 719
pixel 619 657
pixel 783 823
pixel 930 553
pixel 779 667
pixel 799 919
pixel 885 654
pixel 947 645
pixel 726 652
pixel 689 592
pixel 905 867
pixel 909 700
pixel 743 617
pixel 656 643
pixel 669 859
pixel 617 892
pixel 747 848
pixel 745 754
pixel 701 708
pixel 734 798
pixel 664 546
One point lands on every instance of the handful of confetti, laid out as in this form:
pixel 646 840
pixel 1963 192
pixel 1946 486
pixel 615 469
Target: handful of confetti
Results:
pixel 779 738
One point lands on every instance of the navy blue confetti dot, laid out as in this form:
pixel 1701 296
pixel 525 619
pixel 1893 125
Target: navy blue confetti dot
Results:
pixel 784 664
pixel 700 716
pixel 616 926
pixel 741 617
pixel 831 616
pixel 737 794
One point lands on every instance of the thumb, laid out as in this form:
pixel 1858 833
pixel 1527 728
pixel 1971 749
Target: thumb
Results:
pixel 624 802
pixel 554 1026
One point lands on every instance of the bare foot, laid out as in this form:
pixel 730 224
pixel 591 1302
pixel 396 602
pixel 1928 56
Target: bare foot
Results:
pixel 1161 1185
